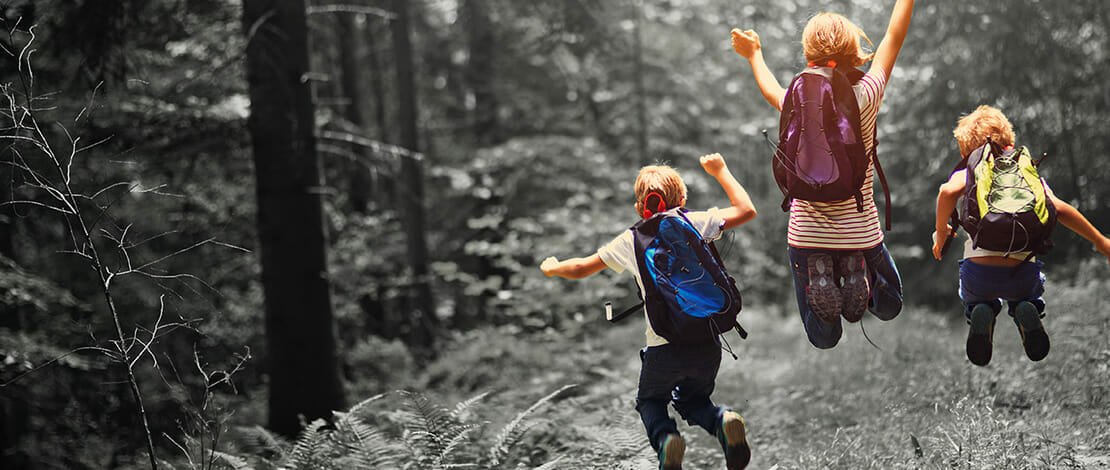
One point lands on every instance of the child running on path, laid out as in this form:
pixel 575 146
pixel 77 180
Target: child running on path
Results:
pixel 681 373
pixel 987 277
pixel 839 262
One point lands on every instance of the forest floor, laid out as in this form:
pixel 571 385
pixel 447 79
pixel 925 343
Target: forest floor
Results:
pixel 916 403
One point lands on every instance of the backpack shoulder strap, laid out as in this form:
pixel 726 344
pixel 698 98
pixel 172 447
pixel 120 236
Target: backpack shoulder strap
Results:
pixel 787 104
pixel 882 180
pixel 853 76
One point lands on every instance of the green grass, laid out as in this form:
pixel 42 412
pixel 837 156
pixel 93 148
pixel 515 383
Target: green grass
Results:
pixel 917 403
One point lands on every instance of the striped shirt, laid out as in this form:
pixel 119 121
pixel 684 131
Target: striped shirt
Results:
pixel 840 225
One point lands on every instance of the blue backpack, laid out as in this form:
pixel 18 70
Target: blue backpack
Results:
pixel 689 296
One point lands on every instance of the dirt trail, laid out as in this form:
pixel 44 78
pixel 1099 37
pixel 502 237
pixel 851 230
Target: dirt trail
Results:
pixel 917 403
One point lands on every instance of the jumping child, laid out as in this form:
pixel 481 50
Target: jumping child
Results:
pixel 1008 213
pixel 683 373
pixel 840 264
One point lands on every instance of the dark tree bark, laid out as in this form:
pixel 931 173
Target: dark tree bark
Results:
pixel 7 213
pixel 300 331
pixel 480 70
pixel 383 187
pixel 376 81
pixel 351 79
pixel 410 192
pixel 15 415
pixel 638 70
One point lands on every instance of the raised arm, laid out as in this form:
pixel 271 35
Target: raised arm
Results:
pixel 891 44
pixel 1074 220
pixel 746 43
pixel 574 268
pixel 947 197
pixel 741 209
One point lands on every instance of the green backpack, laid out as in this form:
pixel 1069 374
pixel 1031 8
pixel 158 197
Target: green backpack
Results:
pixel 1005 206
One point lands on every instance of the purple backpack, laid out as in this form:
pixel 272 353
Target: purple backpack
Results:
pixel 821 155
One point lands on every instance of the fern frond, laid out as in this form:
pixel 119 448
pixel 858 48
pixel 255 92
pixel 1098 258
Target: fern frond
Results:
pixel 358 407
pixel 459 413
pixel 458 436
pixel 234 461
pixel 311 449
pixel 363 445
pixel 552 465
pixel 513 432
pixel 259 441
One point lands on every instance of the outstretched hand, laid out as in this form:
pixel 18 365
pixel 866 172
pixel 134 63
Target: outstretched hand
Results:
pixel 713 163
pixel 745 43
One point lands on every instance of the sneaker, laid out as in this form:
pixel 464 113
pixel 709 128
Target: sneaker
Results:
pixel 671 452
pixel 1033 336
pixel 856 290
pixel 734 441
pixel 822 294
pixel 980 337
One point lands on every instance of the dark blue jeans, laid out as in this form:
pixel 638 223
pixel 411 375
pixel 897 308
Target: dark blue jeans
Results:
pixel 681 374
pixel 980 284
pixel 886 290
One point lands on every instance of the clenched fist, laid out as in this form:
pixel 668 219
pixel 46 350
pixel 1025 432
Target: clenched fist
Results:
pixel 548 266
pixel 713 163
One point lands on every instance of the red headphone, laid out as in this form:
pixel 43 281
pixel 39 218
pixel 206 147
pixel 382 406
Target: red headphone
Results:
pixel 659 207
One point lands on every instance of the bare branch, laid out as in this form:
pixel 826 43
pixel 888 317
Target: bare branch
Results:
pixel 178 277
pixel 109 188
pixel 352 138
pixel 228 245
pixel 52 361
pixel 94 144
pixel 74 252
pixel 153 335
pixel 36 203
pixel 176 253
pixel 149 239
pixel 92 98
pixel 357 9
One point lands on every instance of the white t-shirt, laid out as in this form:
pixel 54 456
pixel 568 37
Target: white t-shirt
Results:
pixel 620 255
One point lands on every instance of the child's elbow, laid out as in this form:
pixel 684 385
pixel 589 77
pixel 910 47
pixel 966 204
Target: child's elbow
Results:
pixel 747 214
pixel 740 217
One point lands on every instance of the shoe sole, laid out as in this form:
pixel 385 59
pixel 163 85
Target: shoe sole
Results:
pixel 1033 335
pixel 980 338
pixel 738 455
pixel 674 449
pixel 856 290
pixel 822 294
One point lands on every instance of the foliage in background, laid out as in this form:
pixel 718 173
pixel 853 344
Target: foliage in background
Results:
pixel 554 178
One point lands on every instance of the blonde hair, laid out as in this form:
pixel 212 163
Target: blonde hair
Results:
pixel 661 179
pixel 832 36
pixel 973 129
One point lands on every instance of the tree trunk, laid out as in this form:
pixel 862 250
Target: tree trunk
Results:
pixel 351 78
pixel 7 213
pixel 300 331
pixel 15 415
pixel 383 187
pixel 480 71
pixel 410 192
pixel 638 71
